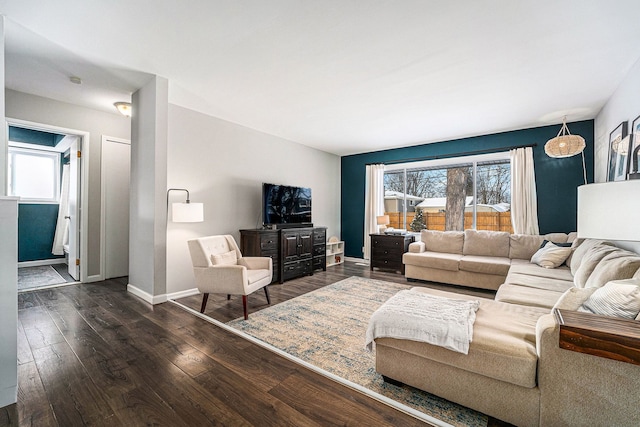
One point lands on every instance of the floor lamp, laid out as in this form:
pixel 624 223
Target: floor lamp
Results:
pixel 185 211
pixel 566 145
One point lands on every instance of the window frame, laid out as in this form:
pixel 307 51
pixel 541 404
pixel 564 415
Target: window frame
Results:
pixel 472 160
pixel 28 149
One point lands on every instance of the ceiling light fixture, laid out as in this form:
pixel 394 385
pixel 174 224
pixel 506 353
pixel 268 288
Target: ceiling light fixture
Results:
pixel 124 108
pixel 566 145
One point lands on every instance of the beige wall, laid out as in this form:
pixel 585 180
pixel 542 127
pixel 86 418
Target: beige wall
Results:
pixel 55 113
pixel 223 165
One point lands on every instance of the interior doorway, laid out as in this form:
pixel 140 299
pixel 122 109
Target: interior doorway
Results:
pixel 47 170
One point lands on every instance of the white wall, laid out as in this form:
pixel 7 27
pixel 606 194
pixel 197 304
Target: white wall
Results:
pixel 147 206
pixel 55 113
pixel 624 105
pixel 223 165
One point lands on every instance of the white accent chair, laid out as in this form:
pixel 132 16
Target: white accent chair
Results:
pixel 219 267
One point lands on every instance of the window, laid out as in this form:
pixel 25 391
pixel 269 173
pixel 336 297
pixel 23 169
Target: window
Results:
pixel 34 175
pixel 450 194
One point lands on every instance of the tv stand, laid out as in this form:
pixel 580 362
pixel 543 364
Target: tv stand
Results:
pixel 295 251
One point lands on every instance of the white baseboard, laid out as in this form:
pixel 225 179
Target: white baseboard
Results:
pixel 41 262
pixel 94 278
pixel 353 259
pixel 159 299
pixel 9 395
pixel 182 294
pixel 146 296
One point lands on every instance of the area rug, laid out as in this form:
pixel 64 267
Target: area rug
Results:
pixel 326 328
pixel 35 277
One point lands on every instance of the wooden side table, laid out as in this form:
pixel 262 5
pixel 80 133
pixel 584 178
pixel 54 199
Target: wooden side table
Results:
pixel 609 337
pixel 387 251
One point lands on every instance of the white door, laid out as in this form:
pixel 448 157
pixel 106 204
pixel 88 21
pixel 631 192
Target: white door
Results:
pixel 116 165
pixel 74 209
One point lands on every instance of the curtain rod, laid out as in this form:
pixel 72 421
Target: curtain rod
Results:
pixel 446 156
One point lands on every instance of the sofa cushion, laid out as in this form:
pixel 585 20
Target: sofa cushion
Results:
pixel 433 260
pixel 551 255
pixel 561 273
pixel 581 249
pixel 450 242
pixel 556 237
pixel 503 345
pixel 523 246
pixel 417 247
pixel 571 237
pixel 618 298
pixel 573 298
pixel 486 243
pixel 485 264
pixel 556 285
pixel 590 261
pixel 524 295
pixel 615 266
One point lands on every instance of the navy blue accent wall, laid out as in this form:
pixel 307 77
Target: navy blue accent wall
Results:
pixel 557 179
pixel 36 228
pixel 31 136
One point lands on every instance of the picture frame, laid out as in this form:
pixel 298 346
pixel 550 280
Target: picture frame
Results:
pixel 618 165
pixel 634 160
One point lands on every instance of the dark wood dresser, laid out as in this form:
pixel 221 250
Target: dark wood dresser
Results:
pixel 387 251
pixel 295 251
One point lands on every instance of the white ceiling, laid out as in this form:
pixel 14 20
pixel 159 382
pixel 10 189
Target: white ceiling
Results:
pixel 343 76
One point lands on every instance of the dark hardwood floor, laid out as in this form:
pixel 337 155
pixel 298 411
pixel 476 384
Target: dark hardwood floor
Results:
pixel 93 354
pixel 219 308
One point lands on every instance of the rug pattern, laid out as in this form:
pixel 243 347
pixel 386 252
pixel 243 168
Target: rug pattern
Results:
pixel 42 275
pixel 327 328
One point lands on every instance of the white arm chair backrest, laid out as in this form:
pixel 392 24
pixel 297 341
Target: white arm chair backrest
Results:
pixel 202 248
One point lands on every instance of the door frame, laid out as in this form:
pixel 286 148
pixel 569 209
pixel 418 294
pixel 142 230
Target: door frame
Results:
pixel 103 206
pixel 83 184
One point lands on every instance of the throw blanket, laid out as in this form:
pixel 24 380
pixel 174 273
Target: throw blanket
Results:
pixel 418 316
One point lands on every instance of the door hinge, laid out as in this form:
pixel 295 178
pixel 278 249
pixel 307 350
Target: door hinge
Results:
pixel 79 153
pixel 77 261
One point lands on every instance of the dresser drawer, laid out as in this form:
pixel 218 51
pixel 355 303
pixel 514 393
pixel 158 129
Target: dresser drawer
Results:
pixel 269 242
pixel 319 236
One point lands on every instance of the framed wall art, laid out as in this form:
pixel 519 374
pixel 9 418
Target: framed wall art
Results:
pixel 618 165
pixel 634 161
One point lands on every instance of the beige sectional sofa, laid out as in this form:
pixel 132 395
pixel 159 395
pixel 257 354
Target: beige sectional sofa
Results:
pixel 515 370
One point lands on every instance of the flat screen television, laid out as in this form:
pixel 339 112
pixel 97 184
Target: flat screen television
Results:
pixel 285 204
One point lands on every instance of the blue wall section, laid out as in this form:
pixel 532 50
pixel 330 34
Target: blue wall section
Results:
pixel 36 228
pixel 557 179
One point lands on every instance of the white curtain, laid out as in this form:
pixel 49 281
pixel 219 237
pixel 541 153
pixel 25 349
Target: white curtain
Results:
pixel 62 225
pixel 524 204
pixel 373 203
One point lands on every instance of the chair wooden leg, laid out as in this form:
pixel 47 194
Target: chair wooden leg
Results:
pixel 266 292
pixel 228 297
pixel 244 306
pixel 205 297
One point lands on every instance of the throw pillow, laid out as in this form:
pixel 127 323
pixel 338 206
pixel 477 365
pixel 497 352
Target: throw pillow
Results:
pixel 550 256
pixel 618 298
pixel 562 245
pixel 227 258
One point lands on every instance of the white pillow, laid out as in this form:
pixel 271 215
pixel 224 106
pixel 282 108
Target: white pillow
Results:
pixel 551 256
pixel 227 258
pixel 618 298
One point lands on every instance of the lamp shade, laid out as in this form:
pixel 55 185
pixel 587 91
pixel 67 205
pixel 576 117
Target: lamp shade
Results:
pixel 609 210
pixel 564 144
pixel 383 220
pixel 187 212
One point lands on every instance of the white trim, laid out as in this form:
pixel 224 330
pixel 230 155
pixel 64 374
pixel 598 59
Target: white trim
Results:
pixel 182 294
pixel 501 155
pixel 146 296
pixel 103 220
pixel 93 278
pixel 390 402
pixel 39 288
pixel 41 262
pixel 354 259
pixel 9 395
pixel 85 143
